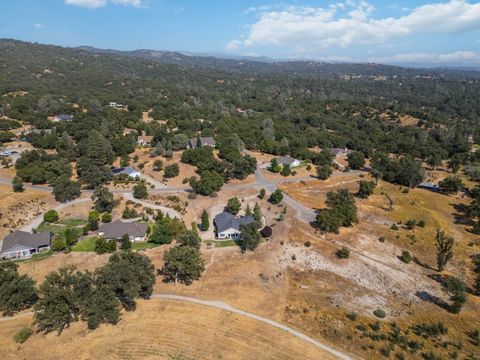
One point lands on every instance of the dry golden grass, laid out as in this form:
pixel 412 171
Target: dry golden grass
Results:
pixel 18 209
pixel 312 193
pixel 161 329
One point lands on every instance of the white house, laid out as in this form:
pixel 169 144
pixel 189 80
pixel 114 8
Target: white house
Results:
pixel 288 161
pixel 228 226
pixel 131 172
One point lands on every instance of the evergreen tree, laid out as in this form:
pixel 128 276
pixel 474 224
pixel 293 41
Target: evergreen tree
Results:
pixel 250 237
pixel 17 184
pixel 205 221
pixel 257 213
pixel 248 211
pixel 233 206
pixel 125 243
pixel 444 249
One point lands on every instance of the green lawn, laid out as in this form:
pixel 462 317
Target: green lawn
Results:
pixel 223 243
pixel 143 245
pixel 72 222
pixel 85 245
pixel 58 230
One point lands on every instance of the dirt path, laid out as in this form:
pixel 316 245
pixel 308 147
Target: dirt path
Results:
pixel 226 307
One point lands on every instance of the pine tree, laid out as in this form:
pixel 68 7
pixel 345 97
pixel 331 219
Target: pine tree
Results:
pixel 444 249
pixel 205 222
pixel 257 212
pixel 248 211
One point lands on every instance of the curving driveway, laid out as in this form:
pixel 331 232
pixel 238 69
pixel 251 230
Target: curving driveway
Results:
pixel 303 213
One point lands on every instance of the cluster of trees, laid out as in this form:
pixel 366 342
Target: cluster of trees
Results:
pixel 68 295
pixel 214 172
pixel 404 171
pixel 341 211
pixel 283 117
pixel 184 262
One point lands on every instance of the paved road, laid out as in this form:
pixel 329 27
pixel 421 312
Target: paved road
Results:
pixel 172 213
pixel 39 219
pixel 304 213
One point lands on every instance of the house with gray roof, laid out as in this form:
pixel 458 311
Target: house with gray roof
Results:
pixel 227 226
pixel 128 170
pixel 288 161
pixel 204 141
pixel 136 232
pixel 22 245
pixel 62 117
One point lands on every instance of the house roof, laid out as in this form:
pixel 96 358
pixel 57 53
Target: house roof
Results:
pixel 118 228
pixel 225 221
pixel 64 117
pixel 38 131
pixel 210 141
pixel 286 160
pixel 145 138
pixel 124 170
pixel 22 240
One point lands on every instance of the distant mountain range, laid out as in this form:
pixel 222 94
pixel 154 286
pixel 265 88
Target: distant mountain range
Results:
pixel 193 58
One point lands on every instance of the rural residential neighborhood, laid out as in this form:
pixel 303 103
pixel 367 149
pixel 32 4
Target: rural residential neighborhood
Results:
pixel 298 192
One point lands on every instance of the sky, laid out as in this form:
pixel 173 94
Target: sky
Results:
pixel 431 32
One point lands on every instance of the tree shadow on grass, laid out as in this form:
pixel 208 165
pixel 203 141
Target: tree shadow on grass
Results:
pixel 425 296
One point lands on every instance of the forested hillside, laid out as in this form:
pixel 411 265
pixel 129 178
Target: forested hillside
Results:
pixel 281 108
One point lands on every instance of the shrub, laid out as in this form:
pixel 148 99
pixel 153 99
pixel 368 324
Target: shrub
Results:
pixel 157 165
pixel 266 232
pixel 171 171
pixel 50 216
pixel 22 335
pixel 394 227
pixel 103 246
pixel 58 244
pixel 286 171
pixel 307 244
pixel 421 223
pixel 380 313
pixel 352 316
pixel 17 184
pixel 106 218
pixel 343 253
pixel 140 191
pixel 406 257
pixel 276 197
pixel 410 224
pixel 308 167
pixel 365 189
pixel 261 194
